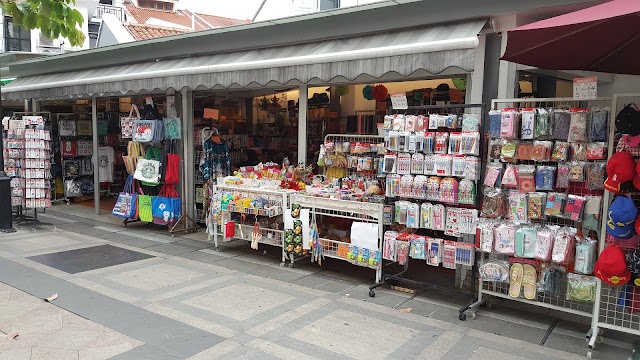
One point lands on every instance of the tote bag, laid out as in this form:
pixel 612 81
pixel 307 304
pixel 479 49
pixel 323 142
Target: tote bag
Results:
pixel 134 152
pixel 173 129
pixel 148 171
pixel 125 206
pixel 127 122
pixel 145 208
pixel 144 130
pixel 153 153
pixel 163 205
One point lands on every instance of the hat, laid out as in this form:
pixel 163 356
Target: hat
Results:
pixel 621 218
pixel 636 177
pixel 620 169
pixel 611 266
pixel 628 120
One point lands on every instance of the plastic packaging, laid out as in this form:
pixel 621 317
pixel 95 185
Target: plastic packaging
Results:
pixel 578 151
pixel 573 207
pixel 585 256
pixel 526 178
pixel 545 178
pixel 389 247
pixel 526 242
pixel 509 150
pixel 562 179
pixel 581 287
pixel 563 246
pixel 576 173
pixel 596 151
pixel 543 126
pixel 551 280
pixel 485 232
pixel 555 204
pixel 505 239
pixel 497 271
pixel 492 174
pixel 510 176
pixel 596 175
pixel 509 123
pixel 528 123
pixel 525 151
pixel 495 118
pixel 535 205
pixel 544 243
pixel 578 125
pixel 517 207
pixel 542 150
pixel 561 124
pixel 560 151
pixel 417 250
pixel 493 203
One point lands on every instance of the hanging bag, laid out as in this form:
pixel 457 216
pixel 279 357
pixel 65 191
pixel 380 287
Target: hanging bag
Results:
pixel 125 206
pixel 145 208
pixel 127 122
pixel 144 131
pixel 171 170
pixel 163 205
pixel 134 152
pixel 148 171
pixel 158 132
pixel 67 128
pixel 173 129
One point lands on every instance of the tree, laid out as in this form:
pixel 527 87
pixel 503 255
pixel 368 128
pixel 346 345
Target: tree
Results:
pixel 54 18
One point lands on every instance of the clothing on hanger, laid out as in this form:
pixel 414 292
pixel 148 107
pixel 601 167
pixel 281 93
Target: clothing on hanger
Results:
pixel 214 162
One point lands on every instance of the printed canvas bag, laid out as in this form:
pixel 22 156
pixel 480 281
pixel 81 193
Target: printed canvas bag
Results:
pixel 173 129
pixel 148 171
pixel 144 130
pixel 127 122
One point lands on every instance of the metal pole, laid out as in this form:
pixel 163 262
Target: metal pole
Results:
pixel 96 157
pixel 6 217
pixel 302 124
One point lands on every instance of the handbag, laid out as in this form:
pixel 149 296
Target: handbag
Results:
pixel 153 153
pixel 134 152
pixel 172 129
pixel 83 128
pixel 127 122
pixel 158 134
pixel 144 130
pixel 145 208
pixel 163 205
pixel 147 171
pixel 172 169
pixel 125 206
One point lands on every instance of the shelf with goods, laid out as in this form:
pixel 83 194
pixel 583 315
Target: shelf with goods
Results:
pixel 28 160
pixel 76 150
pixel 109 135
pixel 616 301
pixel 235 204
pixel 363 247
pixel 542 196
pixel 432 166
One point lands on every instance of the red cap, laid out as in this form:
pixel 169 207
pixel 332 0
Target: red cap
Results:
pixel 611 266
pixel 636 177
pixel 638 226
pixel 621 168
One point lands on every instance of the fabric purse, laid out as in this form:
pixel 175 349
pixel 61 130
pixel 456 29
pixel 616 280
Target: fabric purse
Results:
pixel 134 151
pixel 83 128
pixel 173 129
pixel 127 122
pixel 125 206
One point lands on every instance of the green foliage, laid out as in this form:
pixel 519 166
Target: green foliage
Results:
pixel 54 18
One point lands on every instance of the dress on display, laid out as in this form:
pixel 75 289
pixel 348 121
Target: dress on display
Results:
pixel 214 162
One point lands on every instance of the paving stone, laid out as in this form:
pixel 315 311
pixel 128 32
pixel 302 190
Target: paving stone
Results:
pixel 38 353
pixel 171 249
pixel 91 258
pixel 155 277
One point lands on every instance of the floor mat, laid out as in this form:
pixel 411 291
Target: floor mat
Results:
pixel 91 258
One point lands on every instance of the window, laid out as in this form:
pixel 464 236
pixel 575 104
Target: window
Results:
pixel 16 38
pixel 156 5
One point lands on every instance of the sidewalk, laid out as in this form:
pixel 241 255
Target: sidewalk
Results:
pixel 177 298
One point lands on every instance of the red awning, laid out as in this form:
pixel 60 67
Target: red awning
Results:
pixel 602 38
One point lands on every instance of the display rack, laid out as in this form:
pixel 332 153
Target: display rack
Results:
pixel 608 313
pixel 341 149
pixel 395 271
pixel 28 160
pixel 490 289
pixel 345 209
pixel 277 201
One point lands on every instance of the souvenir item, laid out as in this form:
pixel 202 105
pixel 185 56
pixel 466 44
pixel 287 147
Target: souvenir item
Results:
pixel 510 176
pixel 562 180
pixel 578 151
pixel 544 243
pixel 492 175
pixel 542 150
pixel 389 248
pixel 596 151
pixel 126 203
pixel 435 252
pixel 581 288
pixel 494 271
pixel 67 128
pixel 585 257
pixel 526 242
pixel 508 151
pixel 495 120
pixel 439 217
pixel 417 164
pixel 595 175
pixel 542 129
pixel 470 123
pixel 426 216
pixel 578 125
pixel 576 172
pixel 526 179
pixel 528 124
pixel 417 250
pixel 517 207
pixel 536 204
pixel 496 149
pixel 563 246
pixel 493 203
pixel 591 217
pixel 599 123
pixel 555 204
pixel 127 123
pixel 509 123
pixel 525 151
pixel 83 128
pixel 561 124
pixel 466 192
pixel 560 151
pixel 545 177
pixel 148 171
pixel 504 239
pixel 620 169
pixel 485 236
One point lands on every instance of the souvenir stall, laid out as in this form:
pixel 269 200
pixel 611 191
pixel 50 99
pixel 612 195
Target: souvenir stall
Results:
pixel 617 304
pixel 542 202
pixel 152 163
pixel 75 154
pixel 28 158
pixel 432 166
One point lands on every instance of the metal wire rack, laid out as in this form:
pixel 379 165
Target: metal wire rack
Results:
pixel 352 210
pixel 277 201
pixel 395 272
pixel 614 310
pixel 501 290
pixel 346 146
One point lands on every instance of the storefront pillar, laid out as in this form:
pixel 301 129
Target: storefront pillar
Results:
pixel 96 160
pixel 302 124
pixel 188 158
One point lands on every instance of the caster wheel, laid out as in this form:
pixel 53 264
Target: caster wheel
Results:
pixel 282 264
pixel 600 339
pixel 372 293
pixel 462 316
pixel 473 315
pixel 217 248
pixel 291 266
pixel 600 331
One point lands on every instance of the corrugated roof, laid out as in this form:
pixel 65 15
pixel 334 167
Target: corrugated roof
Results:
pixel 145 32
pixel 181 18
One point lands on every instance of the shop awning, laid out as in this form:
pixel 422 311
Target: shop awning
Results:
pixel 431 49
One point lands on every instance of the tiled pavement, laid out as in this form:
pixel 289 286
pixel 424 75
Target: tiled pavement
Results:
pixel 180 299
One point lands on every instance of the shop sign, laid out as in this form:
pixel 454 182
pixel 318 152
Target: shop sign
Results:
pixel 585 88
pixel 399 101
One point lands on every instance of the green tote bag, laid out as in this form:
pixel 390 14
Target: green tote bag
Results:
pixel 145 210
